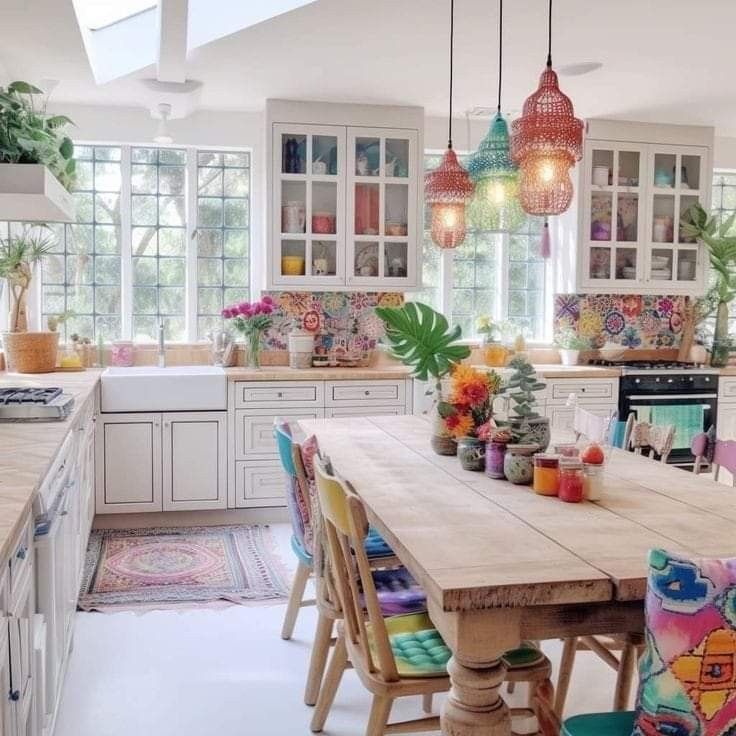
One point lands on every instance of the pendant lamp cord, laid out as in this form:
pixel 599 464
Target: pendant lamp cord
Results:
pixel 500 53
pixel 549 36
pixel 452 41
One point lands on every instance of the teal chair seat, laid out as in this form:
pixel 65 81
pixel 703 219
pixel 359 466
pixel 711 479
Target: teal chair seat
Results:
pixel 375 547
pixel 600 724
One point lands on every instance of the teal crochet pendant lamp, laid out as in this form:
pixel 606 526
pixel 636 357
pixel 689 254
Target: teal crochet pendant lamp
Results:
pixel 495 204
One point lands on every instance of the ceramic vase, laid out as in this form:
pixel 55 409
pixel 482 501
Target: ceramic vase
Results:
pixel 532 431
pixel 518 463
pixel 495 453
pixel 472 453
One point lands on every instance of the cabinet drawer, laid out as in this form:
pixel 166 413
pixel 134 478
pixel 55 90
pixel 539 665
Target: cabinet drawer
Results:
pixel 591 389
pixel 20 559
pixel 254 430
pixel 264 395
pixel 351 393
pixel 259 483
pixel 363 411
pixel 727 388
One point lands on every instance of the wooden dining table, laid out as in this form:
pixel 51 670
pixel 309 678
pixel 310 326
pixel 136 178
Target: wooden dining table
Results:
pixel 501 564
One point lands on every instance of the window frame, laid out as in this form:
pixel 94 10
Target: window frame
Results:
pixel 190 228
pixel 500 312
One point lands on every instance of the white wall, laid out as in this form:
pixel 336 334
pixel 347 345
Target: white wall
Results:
pixel 724 153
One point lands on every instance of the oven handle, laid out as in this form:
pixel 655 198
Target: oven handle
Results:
pixel 669 397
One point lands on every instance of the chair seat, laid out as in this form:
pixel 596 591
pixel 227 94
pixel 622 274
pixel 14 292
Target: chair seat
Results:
pixel 417 646
pixel 375 545
pixel 600 724
pixel 398 593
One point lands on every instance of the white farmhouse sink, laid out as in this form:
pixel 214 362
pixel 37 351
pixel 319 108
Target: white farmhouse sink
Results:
pixel 178 388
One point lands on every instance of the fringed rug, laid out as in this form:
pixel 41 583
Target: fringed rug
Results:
pixel 145 569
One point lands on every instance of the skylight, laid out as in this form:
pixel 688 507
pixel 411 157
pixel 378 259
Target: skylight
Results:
pixel 98 14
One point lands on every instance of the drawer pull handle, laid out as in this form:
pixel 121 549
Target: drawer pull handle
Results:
pixel 14 695
pixel 22 552
pixel 280 394
pixel 367 393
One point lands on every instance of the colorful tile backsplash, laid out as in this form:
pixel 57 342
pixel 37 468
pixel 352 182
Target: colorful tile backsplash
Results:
pixel 633 320
pixel 343 319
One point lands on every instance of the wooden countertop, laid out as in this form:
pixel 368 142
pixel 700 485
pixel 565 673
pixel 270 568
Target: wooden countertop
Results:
pixel 27 449
pixel 474 542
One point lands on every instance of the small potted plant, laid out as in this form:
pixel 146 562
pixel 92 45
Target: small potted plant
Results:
pixel 468 413
pixel 26 352
pixel 526 424
pixel 570 344
pixel 421 338
pixel 251 320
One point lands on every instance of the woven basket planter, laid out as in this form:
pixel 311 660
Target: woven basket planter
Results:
pixel 31 352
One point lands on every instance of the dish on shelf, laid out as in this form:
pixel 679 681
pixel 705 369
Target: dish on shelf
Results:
pixel 661 274
pixel 292 265
pixel 629 272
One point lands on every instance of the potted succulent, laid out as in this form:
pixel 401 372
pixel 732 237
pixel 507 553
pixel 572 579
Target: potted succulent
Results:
pixel 526 424
pixel 695 223
pixel 26 352
pixel 422 339
pixel 570 344
pixel 252 320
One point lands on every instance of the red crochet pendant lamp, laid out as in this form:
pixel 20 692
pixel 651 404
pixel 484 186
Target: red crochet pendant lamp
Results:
pixel 546 141
pixel 448 188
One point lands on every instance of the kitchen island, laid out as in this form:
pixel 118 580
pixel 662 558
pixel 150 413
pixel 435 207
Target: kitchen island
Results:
pixel 501 564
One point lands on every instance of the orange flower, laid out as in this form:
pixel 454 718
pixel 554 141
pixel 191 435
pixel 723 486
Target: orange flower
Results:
pixel 459 425
pixel 469 386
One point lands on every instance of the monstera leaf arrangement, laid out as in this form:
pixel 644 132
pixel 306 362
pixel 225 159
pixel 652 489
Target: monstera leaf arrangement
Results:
pixel 695 223
pixel 29 136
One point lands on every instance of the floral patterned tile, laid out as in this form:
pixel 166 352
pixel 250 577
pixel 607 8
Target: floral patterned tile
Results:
pixel 344 320
pixel 632 320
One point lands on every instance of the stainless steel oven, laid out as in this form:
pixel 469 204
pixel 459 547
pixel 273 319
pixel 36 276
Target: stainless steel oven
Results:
pixel 686 398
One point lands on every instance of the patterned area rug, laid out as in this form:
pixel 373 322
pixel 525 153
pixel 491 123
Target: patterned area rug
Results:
pixel 145 569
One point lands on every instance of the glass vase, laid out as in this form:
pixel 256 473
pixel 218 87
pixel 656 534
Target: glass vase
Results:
pixel 254 350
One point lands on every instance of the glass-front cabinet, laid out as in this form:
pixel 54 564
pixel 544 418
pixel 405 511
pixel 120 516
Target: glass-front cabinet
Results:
pixel 632 198
pixel 381 220
pixel 343 206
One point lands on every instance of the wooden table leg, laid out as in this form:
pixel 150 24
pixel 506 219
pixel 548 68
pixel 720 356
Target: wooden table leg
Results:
pixel 474 706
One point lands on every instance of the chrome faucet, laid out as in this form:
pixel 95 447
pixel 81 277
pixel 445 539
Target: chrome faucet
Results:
pixel 161 346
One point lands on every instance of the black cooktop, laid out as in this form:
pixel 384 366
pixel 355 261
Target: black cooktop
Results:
pixel 28 395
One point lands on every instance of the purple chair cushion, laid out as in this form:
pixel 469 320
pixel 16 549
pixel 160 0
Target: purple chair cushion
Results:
pixel 398 592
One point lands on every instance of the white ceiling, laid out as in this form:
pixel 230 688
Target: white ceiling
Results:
pixel 663 60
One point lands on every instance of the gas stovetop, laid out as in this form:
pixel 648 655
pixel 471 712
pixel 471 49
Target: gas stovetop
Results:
pixel 19 404
pixel 656 366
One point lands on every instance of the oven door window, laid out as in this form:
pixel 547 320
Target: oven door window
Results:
pixel 687 415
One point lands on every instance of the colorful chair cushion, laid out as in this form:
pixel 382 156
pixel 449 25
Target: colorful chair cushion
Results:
pixel 398 593
pixel 301 553
pixel 601 724
pixel 417 646
pixel 375 545
pixel 688 671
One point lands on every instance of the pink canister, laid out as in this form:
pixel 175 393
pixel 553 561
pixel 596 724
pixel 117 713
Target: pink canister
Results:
pixel 122 353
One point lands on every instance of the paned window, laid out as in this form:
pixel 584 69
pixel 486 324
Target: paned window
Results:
pixel 724 205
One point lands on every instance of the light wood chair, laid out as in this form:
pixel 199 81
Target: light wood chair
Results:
pixel 722 454
pixel 382 650
pixel 593 427
pixel 640 435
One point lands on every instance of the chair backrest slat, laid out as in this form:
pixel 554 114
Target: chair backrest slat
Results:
pixel 645 434
pixel 347 528
pixel 593 427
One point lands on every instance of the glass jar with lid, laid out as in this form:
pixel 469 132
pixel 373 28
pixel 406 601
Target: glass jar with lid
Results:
pixel 571 480
pixel 546 474
pixel 592 481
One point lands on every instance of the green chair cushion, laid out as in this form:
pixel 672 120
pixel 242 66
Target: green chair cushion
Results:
pixel 524 656
pixel 600 724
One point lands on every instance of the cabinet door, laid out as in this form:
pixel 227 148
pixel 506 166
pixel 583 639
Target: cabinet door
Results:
pixel 254 430
pixel 678 178
pixel 20 637
pixel 7 707
pixel 613 215
pixel 194 460
pixel 382 208
pixel 726 423
pixel 561 417
pixel 259 483
pixel 128 452
pixel 308 205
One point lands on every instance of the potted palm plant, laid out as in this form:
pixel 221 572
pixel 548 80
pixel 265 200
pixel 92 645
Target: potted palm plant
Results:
pixel 721 246
pixel 422 339
pixel 26 352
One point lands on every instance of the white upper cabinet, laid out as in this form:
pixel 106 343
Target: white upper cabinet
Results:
pixel 636 181
pixel 344 196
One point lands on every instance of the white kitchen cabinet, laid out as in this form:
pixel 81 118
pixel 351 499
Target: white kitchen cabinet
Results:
pixel 636 181
pixel 726 419
pixel 259 483
pixel 561 417
pixel 128 466
pixel 344 204
pixel 254 430
pixel 194 460
pixel 21 646
pixel 363 411
pixel 7 706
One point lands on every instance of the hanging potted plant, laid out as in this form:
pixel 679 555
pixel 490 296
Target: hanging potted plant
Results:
pixel 422 339
pixel 695 223
pixel 37 166
pixel 26 352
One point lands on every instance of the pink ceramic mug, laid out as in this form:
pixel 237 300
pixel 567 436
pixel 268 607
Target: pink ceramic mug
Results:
pixel 122 354
pixel 323 223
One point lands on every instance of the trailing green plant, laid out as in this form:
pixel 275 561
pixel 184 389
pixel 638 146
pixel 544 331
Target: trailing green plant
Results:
pixel 695 223
pixel 521 387
pixel 28 135
pixel 18 255
pixel 568 339
pixel 422 339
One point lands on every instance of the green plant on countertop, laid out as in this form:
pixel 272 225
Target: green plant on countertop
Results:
pixel 422 339
pixel 695 223
pixel 29 136
pixel 568 339
pixel 521 387
pixel 54 320
pixel 18 256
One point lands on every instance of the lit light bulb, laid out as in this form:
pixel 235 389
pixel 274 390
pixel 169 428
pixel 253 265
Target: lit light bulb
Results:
pixel 448 224
pixel 546 170
pixel 498 193
pixel 449 216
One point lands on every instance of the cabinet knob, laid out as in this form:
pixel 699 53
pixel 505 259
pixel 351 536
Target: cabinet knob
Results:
pixel 167 424
pixel 280 394
pixel 367 393
pixel 14 695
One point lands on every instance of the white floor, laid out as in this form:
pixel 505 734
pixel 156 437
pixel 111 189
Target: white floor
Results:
pixel 224 672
